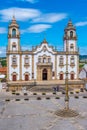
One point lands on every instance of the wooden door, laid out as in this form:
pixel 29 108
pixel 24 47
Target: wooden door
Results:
pixel 14 77
pixel 26 77
pixel 72 76
pixel 61 76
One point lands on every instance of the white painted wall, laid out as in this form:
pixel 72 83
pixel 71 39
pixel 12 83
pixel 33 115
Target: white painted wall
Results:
pixel 40 52
pixel 11 69
pixel 29 69
pixel 70 69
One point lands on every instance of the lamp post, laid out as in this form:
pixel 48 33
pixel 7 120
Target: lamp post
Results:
pixel 66 81
pixel 67 95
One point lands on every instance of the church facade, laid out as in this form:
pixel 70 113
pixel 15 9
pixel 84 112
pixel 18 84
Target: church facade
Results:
pixel 43 63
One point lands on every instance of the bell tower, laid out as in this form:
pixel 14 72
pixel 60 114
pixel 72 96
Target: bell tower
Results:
pixel 13 36
pixel 70 38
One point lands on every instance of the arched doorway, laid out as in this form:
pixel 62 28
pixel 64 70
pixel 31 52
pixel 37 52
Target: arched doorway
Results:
pixel 14 77
pixel 26 77
pixel 61 76
pixel 72 76
pixel 44 74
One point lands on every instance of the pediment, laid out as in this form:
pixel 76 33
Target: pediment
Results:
pixel 43 48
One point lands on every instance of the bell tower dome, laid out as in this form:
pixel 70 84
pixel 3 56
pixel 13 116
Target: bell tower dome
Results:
pixel 70 37
pixel 13 36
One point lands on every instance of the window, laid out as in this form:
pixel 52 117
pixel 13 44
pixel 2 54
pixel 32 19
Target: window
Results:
pixel 14 60
pixel 44 60
pixel 72 47
pixel 26 60
pixel 61 61
pixel 14 33
pixel 14 47
pixel 71 34
pixel 39 60
pixel 72 60
pixel 49 60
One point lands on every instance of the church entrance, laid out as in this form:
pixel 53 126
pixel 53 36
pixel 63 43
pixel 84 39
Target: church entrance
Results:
pixel 44 74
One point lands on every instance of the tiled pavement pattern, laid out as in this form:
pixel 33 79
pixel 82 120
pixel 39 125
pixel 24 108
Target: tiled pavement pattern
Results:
pixel 39 114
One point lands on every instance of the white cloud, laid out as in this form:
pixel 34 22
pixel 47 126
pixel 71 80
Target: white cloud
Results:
pixel 50 17
pixel 34 15
pixel 2 30
pixel 30 1
pixel 39 28
pixel 83 50
pixel 2 51
pixel 81 24
pixel 21 14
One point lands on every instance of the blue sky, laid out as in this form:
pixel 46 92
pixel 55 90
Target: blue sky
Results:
pixel 43 18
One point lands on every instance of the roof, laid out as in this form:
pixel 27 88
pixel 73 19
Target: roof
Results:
pixel 70 25
pixel 85 67
pixel 3 69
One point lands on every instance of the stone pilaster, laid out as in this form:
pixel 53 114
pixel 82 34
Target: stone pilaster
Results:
pixel 78 67
pixel 33 65
pixel 55 67
pixel 7 67
pixel 20 66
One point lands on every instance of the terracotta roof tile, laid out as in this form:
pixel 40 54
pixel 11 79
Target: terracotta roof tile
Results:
pixel 3 69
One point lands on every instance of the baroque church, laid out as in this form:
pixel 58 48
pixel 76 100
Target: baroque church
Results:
pixel 42 63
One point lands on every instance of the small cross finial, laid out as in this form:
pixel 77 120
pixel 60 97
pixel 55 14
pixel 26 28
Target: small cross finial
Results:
pixel 13 15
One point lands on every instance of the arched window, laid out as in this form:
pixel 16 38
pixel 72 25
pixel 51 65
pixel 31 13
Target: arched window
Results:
pixel 44 60
pixel 14 33
pixel 71 34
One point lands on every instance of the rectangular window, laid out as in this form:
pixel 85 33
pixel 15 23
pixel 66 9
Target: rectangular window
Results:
pixel 72 60
pixel 26 60
pixel 44 60
pixel 61 61
pixel 39 60
pixel 14 61
pixel 13 47
pixel 49 60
